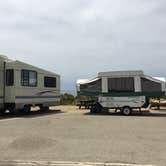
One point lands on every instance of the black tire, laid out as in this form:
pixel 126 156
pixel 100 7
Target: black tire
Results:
pixel 92 110
pixel 14 111
pixel 96 109
pixel 126 111
pixel 26 109
pixel 2 112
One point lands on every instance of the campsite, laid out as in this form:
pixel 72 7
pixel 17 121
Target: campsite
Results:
pixel 76 135
pixel 35 117
pixel 83 83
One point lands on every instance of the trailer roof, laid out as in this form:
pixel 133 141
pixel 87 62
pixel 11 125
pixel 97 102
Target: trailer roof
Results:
pixel 35 67
pixel 160 78
pixel 121 73
pixel 6 59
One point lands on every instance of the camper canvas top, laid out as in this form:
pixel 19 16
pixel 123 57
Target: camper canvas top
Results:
pixel 160 79
pixel 131 73
pixel 85 81
pixel 112 74
pixel 117 74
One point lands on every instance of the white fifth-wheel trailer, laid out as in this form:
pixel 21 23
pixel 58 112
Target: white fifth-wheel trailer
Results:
pixel 23 85
pixel 124 90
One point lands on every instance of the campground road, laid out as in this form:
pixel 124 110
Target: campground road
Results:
pixel 81 137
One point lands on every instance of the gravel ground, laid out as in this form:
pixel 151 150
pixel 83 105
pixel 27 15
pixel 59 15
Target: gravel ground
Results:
pixel 76 135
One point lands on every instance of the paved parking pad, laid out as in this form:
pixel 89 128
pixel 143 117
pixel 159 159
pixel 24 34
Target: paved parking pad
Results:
pixel 76 135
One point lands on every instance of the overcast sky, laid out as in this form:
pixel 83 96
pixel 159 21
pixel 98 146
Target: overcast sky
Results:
pixel 79 38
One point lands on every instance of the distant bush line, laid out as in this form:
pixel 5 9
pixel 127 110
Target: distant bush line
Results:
pixel 69 99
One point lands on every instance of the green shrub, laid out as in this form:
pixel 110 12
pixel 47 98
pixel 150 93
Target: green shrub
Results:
pixel 67 99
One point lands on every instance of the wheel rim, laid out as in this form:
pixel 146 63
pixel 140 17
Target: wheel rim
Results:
pixel 126 111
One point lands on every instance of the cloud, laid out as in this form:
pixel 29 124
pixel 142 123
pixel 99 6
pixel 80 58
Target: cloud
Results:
pixel 79 38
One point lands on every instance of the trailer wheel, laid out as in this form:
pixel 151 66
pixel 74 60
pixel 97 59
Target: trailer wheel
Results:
pixel 26 109
pixel 13 111
pixel 2 112
pixel 92 110
pixel 126 111
pixel 97 108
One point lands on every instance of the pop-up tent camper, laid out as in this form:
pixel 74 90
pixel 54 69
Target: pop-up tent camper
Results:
pixel 23 85
pixel 121 89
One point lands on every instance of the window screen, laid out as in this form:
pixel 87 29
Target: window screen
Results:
pixel 123 84
pixel 92 87
pixel 28 78
pixel 9 77
pixel 150 86
pixel 50 82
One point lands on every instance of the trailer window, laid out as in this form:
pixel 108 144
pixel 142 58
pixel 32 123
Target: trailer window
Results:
pixel 150 86
pixel 123 84
pixel 9 77
pixel 50 82
pixel 29 78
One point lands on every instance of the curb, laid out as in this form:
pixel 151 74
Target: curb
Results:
pixel 62 163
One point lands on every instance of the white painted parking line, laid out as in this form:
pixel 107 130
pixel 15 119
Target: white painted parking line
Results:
pixel 63 163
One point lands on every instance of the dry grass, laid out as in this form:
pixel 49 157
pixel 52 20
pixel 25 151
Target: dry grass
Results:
pixel 61 107
pixel 65 108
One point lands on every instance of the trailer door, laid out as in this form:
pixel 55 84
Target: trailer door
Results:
pixel 9 86
pixel 2 84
